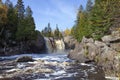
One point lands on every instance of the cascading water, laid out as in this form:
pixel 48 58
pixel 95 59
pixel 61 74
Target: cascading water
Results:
pixel 49 45
pixel 60 46
pixel 48 66
pixel 54 45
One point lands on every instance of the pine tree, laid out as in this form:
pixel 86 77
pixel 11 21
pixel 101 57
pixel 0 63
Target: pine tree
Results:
pixel 57 33
pixel 100 19
pixel 28 12
pixel 49 30
pixel 8 3
pixel 89 5
pixel 12 19
pixel 26 29
pixel 20 9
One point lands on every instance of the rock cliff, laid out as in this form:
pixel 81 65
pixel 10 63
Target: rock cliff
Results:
pixel 105 53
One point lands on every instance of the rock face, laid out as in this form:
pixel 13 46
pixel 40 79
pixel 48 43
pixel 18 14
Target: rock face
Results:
pixel 105 53
pixel 69 42
pixel 37 45
pixel 24 59
pixel 33 46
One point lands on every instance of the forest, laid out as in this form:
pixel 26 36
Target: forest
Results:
pixel 16 23
pixel 98 19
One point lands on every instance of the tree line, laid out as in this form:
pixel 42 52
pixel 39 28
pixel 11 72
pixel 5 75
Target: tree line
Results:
pixel 16 24
pixel 48 32
pixel 97 19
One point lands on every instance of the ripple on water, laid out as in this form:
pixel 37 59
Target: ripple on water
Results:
pixel 60 64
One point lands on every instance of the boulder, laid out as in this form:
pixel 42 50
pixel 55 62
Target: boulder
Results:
pixel 69 42
pixel 86 40
pixel 105 53
pixel 38 45
pixel 107 38
pixel 111 39
pixel 24 59
pixel 84 51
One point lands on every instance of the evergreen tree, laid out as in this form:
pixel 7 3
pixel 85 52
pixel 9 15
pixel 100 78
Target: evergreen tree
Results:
pixel 26 30
pixel 28 12
pixel 20 9
pixel 47 31
pixel 100 19
pixel 89 5
pixel 57 33
pixel 8 3
pixel 12 19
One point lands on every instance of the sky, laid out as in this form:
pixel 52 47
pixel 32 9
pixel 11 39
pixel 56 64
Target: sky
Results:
pixel 61 12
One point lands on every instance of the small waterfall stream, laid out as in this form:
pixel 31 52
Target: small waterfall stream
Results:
pixel 54 45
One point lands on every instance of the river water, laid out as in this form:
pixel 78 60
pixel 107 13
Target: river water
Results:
pixel 48 67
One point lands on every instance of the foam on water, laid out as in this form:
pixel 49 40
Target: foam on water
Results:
pixel 60 70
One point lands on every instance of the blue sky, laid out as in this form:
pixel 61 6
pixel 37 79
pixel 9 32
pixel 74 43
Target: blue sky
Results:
pixel 61 12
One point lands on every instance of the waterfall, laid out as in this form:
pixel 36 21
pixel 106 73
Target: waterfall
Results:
pixel 50 46
pixel 54 45
pixel 60 46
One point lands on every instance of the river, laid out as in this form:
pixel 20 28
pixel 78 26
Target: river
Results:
pixel 48 67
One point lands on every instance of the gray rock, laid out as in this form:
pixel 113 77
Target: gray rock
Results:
pixel 111 39
pixel 69 42
pixel 103 54
pixel 24 59
pixel 107 38
pixel 86 40
pixel 38 45
pixel 84 52
pixel 115 46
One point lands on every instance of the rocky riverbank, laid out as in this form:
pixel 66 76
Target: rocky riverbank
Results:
pixel 105 53
pixel 48 67
pixel 33 46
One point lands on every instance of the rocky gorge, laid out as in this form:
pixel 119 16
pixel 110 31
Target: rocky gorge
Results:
pixel 89 59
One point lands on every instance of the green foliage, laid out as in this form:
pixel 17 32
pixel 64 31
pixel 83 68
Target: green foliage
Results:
pixel 47 31
pixel 20 9
pixel 89 5
pixel 57 33
pixel 26 27
pixel 97 20
pixel 16 24
pixel 81 27
pixel 12 19
pixel 67 32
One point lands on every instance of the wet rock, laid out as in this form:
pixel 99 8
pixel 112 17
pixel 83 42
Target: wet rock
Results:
pixel 44 71
pixel 65 63
pixel 24 59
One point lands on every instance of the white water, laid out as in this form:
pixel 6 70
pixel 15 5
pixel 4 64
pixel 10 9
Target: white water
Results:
pixel 54 45
pixel 60 44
